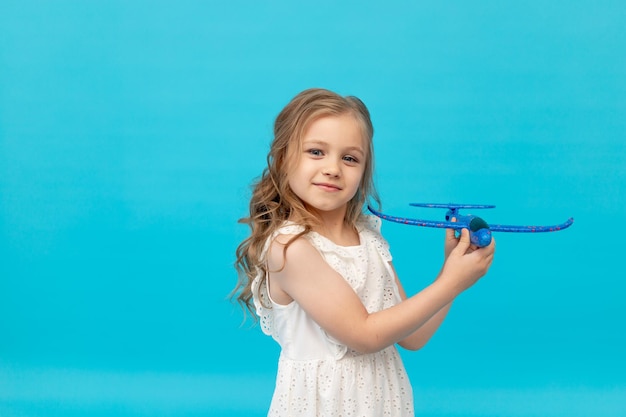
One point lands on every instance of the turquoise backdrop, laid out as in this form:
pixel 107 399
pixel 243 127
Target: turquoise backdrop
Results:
pixel 131 130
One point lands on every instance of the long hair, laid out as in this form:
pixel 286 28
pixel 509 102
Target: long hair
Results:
pixel 273 202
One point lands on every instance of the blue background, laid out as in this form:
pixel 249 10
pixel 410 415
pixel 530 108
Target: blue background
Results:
pixel 131 130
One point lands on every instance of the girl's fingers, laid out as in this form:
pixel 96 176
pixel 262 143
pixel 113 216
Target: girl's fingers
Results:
pixel 450 235
pixel 450 241
pixel 464 241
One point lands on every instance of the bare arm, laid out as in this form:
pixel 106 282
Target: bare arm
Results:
pixel 421 336
pixel 331 302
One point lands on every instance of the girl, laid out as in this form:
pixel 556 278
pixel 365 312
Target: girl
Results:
pixel 318 273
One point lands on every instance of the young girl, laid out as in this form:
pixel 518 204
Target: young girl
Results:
pixel 318 273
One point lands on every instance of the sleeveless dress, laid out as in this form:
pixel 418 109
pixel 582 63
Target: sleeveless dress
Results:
pixel 317 375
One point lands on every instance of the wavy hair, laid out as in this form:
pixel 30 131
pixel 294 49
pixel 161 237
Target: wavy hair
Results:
pixel 273 202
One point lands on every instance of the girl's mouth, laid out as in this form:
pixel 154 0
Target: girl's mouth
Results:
pixel 328 187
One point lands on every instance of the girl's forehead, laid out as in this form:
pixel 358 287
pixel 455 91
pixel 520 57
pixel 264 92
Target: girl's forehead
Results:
pixel 332 129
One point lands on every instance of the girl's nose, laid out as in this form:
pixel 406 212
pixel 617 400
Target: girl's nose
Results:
pixel 331 169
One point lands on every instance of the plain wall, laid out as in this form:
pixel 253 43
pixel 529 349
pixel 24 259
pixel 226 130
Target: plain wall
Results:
pixel 130 132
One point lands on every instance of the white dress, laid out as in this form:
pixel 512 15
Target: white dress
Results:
pixel 317 375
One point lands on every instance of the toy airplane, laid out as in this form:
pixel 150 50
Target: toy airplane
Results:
pixel 480 231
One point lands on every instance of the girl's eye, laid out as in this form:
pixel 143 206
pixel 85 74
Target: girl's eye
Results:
pixel 315 152
pixel 350 159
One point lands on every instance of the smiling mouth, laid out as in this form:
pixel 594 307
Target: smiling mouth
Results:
pixel 327 187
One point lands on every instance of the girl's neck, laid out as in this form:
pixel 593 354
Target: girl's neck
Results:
pixel 340 233
pixel 333 226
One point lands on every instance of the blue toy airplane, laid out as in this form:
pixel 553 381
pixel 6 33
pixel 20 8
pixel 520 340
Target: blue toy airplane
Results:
pixel 480 231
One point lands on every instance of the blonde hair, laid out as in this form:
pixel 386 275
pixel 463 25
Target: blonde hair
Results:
pixel 273 202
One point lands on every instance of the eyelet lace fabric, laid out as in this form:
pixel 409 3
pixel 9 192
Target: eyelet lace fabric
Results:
pixel 261 298
pixel 319 376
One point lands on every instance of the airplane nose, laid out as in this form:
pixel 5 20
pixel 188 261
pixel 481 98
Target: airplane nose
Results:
pixel 481 237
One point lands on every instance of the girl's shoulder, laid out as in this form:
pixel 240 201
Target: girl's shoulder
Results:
pixel 368 222
pixel 282 235
pixel 288 228
pixel 365 222
pixel 369 228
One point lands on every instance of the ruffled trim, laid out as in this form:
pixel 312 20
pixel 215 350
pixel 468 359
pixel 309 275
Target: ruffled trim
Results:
pixel 260 294
pixel 368 227
pixel 371 226
pixel 262 303
pixel 341 258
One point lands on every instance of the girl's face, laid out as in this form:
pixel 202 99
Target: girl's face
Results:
pixel 328 172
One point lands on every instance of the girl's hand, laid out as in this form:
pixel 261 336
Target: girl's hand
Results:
pixel 452 240
pixel 464 262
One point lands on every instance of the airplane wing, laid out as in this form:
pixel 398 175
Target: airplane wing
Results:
pixel 453 206
pixel 531 229
pixel 418 222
